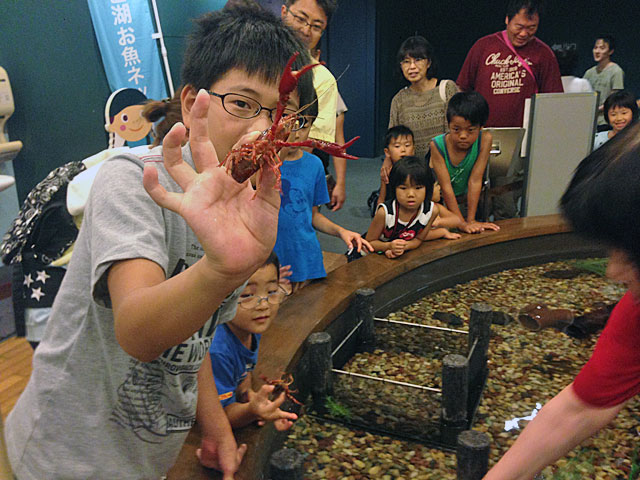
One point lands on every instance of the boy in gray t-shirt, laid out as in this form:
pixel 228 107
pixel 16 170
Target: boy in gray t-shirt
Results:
pixel 115 380
pixel 606 77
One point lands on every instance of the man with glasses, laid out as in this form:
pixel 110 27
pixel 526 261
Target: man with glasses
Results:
pixel 508 67
pixel 309 19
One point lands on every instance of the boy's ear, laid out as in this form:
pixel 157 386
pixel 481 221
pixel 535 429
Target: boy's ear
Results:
pixel 386 150
pixel 187 97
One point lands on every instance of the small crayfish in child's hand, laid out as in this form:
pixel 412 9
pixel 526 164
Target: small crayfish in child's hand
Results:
pixel 282 385
pixel 246 160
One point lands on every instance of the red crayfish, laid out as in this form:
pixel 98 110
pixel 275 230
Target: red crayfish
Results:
pixel 246 160
pixel 282 385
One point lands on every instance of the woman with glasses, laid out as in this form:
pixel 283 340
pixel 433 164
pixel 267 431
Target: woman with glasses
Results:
pixel 234 352
pixel 422 105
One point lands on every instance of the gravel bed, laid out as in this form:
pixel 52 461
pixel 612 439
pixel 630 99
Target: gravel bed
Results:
pixel 526 368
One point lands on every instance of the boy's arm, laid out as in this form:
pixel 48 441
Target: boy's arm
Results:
pixel 562 424
pixel 442 174
pixel 218 447
pixel 324 225
pixel 339 194
pixel 383 192
pixel 259 407
pixel 152 313
pixel 476 178
pixel 447 219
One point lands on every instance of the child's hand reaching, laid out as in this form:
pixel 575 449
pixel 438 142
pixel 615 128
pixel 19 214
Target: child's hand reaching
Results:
pixel 355 240
pixel 385 169
pixel 285 273
pixel 212 199
pixel 269 411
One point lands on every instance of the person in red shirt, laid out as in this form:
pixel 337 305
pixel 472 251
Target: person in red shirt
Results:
pixel 609 176
pixel 508 67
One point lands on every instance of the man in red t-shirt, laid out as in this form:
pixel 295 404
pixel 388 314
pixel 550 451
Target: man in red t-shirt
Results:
pixel 609 176
pixel 508 67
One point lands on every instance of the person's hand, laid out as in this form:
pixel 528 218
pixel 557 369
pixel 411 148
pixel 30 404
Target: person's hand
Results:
pixel 236 226
pixel 390 254
pixel 355 240
pixel 338 197
pixel 285 273
pixel 397 247
pixel 450 235
pixel 266 409
pixel 385 169
pixel 477 227
pixel 224 456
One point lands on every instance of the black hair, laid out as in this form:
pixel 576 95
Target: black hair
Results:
pixel 310 109
pixel 247 38
pixel 415 168
pixel 418 47
pixel 621 98
pixel 608 39
pixel 327 6
pixel 164 114
pixel 272 260
pixel 567 56
pixel 603 198
pixel 395 132
pixel 123 98
pixel 469 105
pixel 531 8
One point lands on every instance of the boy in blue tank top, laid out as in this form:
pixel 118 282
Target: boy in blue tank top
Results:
pixel 459 158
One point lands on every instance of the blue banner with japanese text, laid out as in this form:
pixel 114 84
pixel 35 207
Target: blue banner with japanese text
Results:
pixel 125 29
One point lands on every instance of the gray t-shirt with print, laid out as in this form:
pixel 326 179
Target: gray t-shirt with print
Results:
pixel 90 410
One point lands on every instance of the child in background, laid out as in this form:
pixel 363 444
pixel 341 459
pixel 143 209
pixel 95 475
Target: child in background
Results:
pixel 234 352
pixel 304 188
pixel 405 218
pixel 460 157
pixel 620 110
pixel 398 143
pixel 119 373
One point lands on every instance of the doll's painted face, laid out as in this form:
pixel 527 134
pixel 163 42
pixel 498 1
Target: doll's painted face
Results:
pixel 129 124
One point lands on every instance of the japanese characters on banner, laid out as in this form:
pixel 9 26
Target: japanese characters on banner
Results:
pixel 124 29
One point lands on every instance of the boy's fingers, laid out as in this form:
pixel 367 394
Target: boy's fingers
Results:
pixel 204 154
pixel 157 192
pixel 179 170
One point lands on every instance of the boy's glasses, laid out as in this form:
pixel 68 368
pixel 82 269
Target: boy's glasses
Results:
pixel 245 107
pixel 302 23
pixel 250 301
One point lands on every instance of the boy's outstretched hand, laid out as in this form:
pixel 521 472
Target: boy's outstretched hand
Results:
pixel 268 410
pixel 236 226
pixel 355 240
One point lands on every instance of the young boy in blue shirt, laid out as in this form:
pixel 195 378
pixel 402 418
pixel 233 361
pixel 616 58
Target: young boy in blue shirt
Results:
pixel 304 189
pixel 119 372
pixel 234 352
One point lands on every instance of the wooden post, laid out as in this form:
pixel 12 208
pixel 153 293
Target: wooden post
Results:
pixel 480 330
pixel 455 390
pixel 320 365
pixel 472 454
pixel 363 306
pixel 286 464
